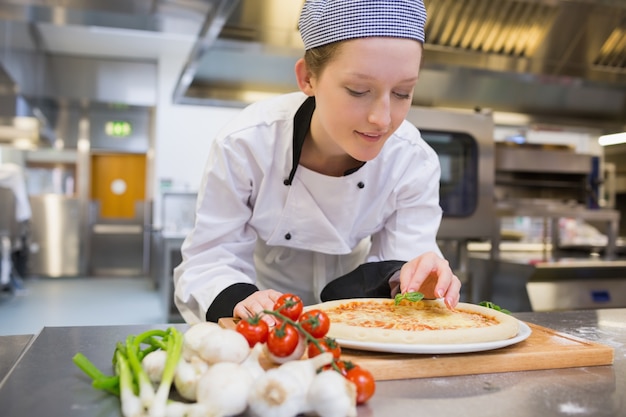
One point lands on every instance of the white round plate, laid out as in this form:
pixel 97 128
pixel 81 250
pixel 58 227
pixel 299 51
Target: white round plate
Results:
pixel 524 332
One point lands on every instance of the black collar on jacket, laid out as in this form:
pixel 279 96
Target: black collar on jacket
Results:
pixel 301 125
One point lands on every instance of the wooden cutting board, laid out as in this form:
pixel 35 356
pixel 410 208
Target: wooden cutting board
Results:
pixel 544 349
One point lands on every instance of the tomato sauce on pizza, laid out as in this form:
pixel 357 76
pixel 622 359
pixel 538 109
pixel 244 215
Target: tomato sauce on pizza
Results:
pixel 425 321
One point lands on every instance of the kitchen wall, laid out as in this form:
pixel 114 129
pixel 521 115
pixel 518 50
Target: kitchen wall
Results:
pixel 183 133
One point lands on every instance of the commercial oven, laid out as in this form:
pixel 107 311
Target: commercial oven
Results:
pixel 464 143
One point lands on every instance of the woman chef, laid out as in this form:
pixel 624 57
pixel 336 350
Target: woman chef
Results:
pixel 326 185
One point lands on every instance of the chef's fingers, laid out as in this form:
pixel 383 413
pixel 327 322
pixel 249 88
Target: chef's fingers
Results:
pixel 247 308
pixel 454 293
pixel 273 295
pixel 241 310
pixel 256 303
pixel 429 274
pixel 270 298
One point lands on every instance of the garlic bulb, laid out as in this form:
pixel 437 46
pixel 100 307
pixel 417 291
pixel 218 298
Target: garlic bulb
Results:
pixel 252 364
pixel 153 364
pixel 277 393
pixel 306 369
pixel 224 345
pixel 194 336
pixel 224 389
pixel 282 391
pixel 187 376
pixel 332 395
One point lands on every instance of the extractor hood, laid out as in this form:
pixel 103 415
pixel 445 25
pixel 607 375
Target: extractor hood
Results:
pixel 554 60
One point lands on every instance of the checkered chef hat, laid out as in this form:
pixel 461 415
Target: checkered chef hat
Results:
pixel 326 21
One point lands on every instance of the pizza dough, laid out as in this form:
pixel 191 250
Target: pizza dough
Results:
pixel 379 320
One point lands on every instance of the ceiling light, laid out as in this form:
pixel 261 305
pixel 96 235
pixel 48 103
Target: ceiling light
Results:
pixel 613 139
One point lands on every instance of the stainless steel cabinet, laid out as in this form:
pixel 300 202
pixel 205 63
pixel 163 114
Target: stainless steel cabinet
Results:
pixel 55 236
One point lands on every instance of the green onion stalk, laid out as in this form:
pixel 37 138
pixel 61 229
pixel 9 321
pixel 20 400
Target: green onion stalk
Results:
pixel 174 353
pixel 130 382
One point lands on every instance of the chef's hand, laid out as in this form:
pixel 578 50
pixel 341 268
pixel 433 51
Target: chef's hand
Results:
pixel 256 303
pixel 431 275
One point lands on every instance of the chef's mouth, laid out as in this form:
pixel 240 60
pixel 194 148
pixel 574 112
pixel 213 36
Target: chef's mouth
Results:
pixel 371 137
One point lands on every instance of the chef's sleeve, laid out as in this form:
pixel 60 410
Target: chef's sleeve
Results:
pixel 225 302
pixel 369 280
pixel 217 270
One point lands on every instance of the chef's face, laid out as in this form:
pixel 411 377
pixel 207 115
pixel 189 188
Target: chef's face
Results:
pixel 363 94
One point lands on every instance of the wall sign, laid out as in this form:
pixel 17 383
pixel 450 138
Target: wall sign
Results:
pixel 118 128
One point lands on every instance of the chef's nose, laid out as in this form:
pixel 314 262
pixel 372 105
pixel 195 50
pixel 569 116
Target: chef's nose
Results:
pixel 380 113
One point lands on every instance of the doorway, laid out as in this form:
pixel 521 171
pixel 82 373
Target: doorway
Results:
pixel 119 241
pixel 118 183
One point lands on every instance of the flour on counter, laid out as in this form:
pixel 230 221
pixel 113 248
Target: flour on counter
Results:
pixel 572 409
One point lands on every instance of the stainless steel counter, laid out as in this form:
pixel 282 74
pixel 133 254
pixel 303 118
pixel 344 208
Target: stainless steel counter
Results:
pixel 46 382
pixel 535 281
pixel 11 347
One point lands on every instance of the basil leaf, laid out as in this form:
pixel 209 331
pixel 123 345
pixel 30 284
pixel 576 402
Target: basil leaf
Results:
pixel 493 306
pixel 413 296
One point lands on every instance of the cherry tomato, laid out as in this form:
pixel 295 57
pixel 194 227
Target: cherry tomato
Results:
pixel 364 381
pixel 326 344
pixel 253 329
pixel 315 322
pixel 289 305
pixel 282 340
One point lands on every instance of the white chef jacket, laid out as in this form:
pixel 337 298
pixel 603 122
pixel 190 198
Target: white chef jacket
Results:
pixel 253 228
pixel 12 177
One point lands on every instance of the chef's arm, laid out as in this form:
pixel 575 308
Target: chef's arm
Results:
pixel 217 270
pixel 225 302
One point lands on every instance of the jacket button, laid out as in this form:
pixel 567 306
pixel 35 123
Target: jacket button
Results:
pixel 360 184
pixel 288 236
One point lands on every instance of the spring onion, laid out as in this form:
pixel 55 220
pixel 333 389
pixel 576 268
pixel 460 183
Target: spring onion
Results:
pixel 130 381
pixel 174 352
pixel 131 403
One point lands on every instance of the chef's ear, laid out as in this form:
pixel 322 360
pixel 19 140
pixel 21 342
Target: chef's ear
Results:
pixel 303 77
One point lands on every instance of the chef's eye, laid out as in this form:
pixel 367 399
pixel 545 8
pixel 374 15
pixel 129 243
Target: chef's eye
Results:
pixel 402 96
pixel 356 93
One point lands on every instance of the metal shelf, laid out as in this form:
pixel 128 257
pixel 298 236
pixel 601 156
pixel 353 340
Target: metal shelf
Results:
pixel 553 212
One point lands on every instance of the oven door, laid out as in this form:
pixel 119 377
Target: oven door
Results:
pixel 464 143
pixel 458 158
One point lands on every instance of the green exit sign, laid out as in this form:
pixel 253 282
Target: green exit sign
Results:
pixel 118 129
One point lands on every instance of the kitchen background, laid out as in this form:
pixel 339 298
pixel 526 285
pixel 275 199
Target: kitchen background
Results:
pixel 108 108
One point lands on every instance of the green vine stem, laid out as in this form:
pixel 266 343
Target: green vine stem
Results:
pixel 284 320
